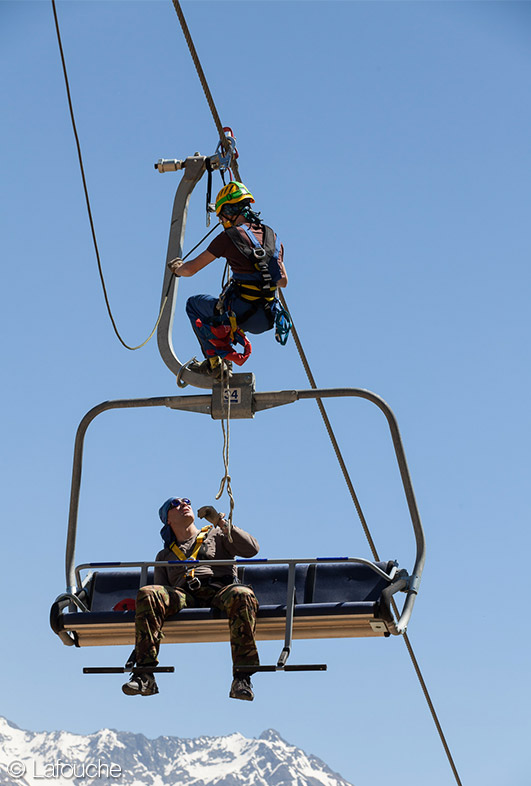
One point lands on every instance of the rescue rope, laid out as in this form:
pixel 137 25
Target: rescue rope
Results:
pixel 87 200
pixel 324 415
pixel 204 84
pixel 226 479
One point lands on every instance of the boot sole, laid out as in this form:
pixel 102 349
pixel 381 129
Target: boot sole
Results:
pixel 132 692
pixel 243 697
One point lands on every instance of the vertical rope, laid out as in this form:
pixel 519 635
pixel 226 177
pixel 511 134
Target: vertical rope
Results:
pixel 226 479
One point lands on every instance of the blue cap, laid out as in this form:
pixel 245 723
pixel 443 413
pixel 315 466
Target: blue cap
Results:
pixel 165 509
pixel 166 532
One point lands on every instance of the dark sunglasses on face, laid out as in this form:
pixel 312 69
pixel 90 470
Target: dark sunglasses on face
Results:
pixel 176 503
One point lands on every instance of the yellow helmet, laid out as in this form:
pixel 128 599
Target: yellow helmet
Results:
pixel 232 193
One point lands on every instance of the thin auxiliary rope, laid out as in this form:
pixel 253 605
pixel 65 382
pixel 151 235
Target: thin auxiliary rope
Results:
pixel 204 84
pixel 370 539
pixel 226 479
pixel 87 200
pixel 321 406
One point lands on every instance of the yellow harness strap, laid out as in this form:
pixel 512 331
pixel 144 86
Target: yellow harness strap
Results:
pixel 233 325
pixel 193 554
pixel 249 296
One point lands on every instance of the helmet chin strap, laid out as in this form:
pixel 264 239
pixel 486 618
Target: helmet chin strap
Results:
pixel 246 212
pixel 229 221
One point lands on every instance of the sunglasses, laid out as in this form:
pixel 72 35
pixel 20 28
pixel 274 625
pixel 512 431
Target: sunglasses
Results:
pixel 176 503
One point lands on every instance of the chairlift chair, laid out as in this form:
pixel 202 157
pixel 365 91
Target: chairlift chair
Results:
pixel 299 598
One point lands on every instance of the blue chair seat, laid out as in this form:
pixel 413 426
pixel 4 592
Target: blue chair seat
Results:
pixel 329 593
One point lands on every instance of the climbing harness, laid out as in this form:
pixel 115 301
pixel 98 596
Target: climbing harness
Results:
pixel 192 582
pixel 223 332
pixel 264 257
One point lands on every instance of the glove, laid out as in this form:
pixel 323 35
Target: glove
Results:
pixel 174 266
pixel 210 514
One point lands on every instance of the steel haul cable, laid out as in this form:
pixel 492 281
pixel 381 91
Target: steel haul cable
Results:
pixel 325 417
pixel 204 83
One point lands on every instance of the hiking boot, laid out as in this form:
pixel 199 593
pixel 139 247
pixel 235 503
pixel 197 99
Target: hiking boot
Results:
pixel 241 688
pixel 211 367
pixel 141 685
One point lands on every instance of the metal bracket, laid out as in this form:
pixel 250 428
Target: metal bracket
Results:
pixel 169 165
pixel 241 393
pixel 379 627
pixel 413 584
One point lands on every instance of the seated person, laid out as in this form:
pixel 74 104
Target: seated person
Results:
pixel 177 586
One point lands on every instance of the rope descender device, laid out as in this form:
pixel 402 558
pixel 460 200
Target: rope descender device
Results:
pixel 232 153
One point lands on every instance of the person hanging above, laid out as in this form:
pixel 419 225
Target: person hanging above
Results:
pixel 248 302
pixel 177 586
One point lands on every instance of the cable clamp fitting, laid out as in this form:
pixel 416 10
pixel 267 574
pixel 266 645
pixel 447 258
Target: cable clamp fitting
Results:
pixel 413 584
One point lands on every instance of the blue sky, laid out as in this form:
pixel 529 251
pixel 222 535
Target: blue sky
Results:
pixel 388 145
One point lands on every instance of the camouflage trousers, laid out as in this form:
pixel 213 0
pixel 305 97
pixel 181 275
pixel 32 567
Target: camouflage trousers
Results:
pixel 155 603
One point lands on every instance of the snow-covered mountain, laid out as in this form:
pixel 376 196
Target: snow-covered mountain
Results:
pixel 30 758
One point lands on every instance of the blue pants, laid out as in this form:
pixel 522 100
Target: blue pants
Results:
pixel 203 307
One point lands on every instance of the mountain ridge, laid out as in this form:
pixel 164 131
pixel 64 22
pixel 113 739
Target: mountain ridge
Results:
pixel 27 758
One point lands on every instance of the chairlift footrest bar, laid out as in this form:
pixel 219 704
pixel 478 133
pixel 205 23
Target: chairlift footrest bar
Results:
pixel 126 670
pixel 291 667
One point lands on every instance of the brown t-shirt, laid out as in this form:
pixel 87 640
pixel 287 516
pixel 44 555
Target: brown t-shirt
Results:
pixel 222 246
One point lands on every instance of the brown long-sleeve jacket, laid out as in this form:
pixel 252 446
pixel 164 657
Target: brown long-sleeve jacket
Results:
pixel 215 546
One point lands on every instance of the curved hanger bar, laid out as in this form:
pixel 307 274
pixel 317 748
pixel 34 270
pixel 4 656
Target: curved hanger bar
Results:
pixel 194 168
